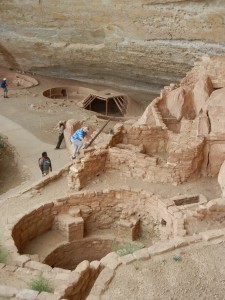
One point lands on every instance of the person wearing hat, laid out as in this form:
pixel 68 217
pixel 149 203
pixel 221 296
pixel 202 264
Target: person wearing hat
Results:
pixel 61 134
pixel 4 87
pixel 78 139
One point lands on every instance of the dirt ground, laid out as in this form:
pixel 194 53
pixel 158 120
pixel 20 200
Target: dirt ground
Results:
pixel 200 274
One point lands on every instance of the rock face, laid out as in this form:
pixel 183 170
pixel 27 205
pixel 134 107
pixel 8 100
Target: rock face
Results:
pixel 137 42
pixel 216 110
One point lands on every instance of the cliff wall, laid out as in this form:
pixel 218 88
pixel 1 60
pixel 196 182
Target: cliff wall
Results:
pixel 134 42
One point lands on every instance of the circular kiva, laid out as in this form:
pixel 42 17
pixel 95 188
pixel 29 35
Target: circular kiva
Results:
pixel 85 225
pixel 18 80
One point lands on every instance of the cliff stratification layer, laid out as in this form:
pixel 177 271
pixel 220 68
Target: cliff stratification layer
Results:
pixel 130 41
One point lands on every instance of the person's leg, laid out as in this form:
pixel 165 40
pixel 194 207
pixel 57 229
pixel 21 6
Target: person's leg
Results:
pixel 75 151
pixel 45 173
pixel 5 93
pixel 60 139
pixel 78 149
pixel 77 145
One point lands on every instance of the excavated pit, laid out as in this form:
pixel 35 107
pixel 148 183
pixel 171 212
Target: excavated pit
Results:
pixel 85 226
pixel 75 93
pixel 18 80
pixel 75 252
pixel 63 236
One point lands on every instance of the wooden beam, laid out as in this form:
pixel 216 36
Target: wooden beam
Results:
pixel 88 102
pixel 121 105
pixel 106 111
pixel 118 105
pixel 97 134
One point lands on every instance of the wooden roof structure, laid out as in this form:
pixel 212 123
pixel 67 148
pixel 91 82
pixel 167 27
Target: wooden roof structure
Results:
pixel 120 100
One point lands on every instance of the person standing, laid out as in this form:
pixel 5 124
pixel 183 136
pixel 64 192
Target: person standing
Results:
pixel 45 164
pixel 77 139
pixel 4 87
pixel 61 134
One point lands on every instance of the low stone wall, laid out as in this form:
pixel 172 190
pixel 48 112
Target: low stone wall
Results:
pixel 66 284
pixel 153 169
pixel 102 210
pixel 157 114
pixel 86 169
pixel 69 255
pixel 76 284
pixel 33 224
pixel 154 139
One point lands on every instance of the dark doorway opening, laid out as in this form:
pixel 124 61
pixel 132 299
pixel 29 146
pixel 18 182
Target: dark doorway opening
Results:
pixel 104 106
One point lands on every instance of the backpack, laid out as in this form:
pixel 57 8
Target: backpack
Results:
pixel 39 161
pixel 44 163
pixel 3 84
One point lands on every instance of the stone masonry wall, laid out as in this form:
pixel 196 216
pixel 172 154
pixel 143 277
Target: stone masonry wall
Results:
pixel 77 283
pixel 100 210
pixel 69 255
pixel 86 168
pixel 153 139
pixel 178 167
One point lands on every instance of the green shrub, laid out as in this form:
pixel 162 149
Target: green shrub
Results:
pixel 3 255
pixel 40 284
pixel 177 257
pixel 125 248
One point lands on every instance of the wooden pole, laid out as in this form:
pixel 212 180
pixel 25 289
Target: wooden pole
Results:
pixel 106 111
pixel 97 134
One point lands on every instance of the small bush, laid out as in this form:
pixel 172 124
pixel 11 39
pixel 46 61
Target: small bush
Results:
pixel 40 284
pixel 125 248
pixel 3 255
pixel 177 257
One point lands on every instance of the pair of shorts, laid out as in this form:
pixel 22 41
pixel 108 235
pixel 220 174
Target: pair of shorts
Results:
pixel 77 143
pixel 5 90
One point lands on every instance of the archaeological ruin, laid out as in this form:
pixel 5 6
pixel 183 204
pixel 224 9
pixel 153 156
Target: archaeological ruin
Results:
pixel 146 194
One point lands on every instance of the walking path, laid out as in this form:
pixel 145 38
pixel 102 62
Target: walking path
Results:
pixel 29 148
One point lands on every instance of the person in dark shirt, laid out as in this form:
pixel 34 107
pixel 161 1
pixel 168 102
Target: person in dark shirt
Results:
pixel 61 134
pixel 4 87
pixel 45 164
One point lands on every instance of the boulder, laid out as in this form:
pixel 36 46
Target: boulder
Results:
pixel 216 111
pixel 201 93
pixel 221 178
pixel 175 102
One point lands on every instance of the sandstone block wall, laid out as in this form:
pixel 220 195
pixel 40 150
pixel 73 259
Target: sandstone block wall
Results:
pixel 102 210
pixel 86 169
pixel 153 139
pixel 68 256
pixel 33 224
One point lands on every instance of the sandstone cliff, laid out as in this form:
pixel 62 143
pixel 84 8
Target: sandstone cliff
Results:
pixel 137 42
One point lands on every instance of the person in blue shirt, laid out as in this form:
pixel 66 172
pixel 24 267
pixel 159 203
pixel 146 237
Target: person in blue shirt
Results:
pixel 78 139
pixel 4 87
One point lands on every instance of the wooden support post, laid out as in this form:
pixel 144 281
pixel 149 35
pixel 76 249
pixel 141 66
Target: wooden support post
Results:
pixel 97 134
pixel 106 112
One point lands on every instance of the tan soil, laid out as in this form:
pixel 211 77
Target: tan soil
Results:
pixel 199 275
